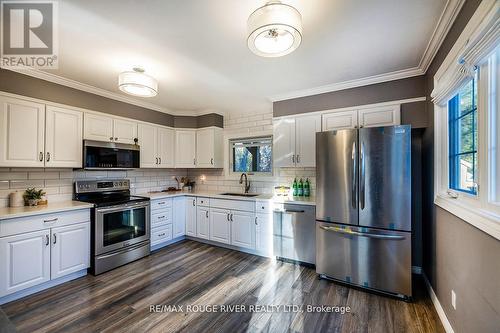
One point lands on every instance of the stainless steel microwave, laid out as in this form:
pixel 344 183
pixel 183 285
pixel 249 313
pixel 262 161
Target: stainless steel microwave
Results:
pixel 110 155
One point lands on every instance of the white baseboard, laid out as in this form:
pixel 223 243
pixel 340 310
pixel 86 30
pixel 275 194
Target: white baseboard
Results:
pixel 437 305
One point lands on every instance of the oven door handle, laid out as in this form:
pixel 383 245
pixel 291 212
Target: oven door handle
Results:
pixel 123 207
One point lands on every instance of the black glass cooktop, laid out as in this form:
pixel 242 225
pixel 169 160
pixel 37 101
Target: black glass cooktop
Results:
pixel 109 199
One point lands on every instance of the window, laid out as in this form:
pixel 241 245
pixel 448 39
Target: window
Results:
pixel 253 155
pixel 463 139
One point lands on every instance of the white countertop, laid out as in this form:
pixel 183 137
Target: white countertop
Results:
pixel 218 195
pixel 51 207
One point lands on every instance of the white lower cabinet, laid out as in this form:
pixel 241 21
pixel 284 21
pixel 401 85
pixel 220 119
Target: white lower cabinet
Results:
pixel 161 234
pixel 220 225
pixel 203 222
pixel 37 249
pixel 70 249
pixel 264 234
pixel 190 216
pixel 24 261
pixel 243 229
pixel 179 217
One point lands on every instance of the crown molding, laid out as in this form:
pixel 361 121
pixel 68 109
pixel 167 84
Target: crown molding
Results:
pixel 446 20
pixel 396 75
pixel 448 16
pixel 88 88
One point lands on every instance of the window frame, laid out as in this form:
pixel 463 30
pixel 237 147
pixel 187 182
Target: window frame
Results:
pixel 231 156
pixel 454 118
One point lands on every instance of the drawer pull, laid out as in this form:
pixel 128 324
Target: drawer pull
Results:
pixel 162 234
pixel 161 217
pixel 51 220
pixel 47 240
pixel 161 203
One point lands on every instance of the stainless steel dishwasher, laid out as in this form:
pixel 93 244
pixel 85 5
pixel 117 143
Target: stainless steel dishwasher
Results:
pixel 295 233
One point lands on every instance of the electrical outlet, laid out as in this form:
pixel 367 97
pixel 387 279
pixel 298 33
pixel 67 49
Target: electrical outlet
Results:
pixel 453 299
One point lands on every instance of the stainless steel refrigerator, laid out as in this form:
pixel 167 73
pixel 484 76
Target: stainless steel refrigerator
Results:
pixel 363 208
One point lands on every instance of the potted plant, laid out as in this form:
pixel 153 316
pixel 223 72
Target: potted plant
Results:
pixel 32 196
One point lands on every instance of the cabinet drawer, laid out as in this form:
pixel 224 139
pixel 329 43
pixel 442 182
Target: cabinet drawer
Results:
pixel 160 235
pixel 263 206
pixel 161 217
pixel 248 206
pixel 39 222
pixel 202 201
pixel 161 203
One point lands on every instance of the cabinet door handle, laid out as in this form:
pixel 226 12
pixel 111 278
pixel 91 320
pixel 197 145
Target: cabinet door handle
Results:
pixel 116 139
pixel 194 161
pixel 228 217
pixel 111 138
pixel 256 221
pixel 293 158
pixel 48 156
pixel 212 161
pixel 159 159
pixel 206 214
pixel 156 160
pixel 194 202
pixel 231 217
pixel 41 156
pixel 46 240
pixel 298 158
pixel 55 239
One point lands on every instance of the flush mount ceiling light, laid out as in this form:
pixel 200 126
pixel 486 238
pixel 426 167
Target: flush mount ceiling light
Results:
pixel 137 83
pixel 274 30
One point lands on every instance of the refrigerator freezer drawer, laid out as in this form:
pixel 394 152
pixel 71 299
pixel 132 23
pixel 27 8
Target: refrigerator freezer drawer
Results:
pixel 371 258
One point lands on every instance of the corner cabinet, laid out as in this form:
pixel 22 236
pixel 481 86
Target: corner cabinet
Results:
pixel 185 148
pixel 36 135
pixel 209 148
pixel 294 139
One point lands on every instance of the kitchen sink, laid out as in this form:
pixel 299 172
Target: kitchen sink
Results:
pixel 242 194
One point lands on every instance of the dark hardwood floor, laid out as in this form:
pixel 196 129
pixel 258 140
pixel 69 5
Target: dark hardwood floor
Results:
pixel 192 273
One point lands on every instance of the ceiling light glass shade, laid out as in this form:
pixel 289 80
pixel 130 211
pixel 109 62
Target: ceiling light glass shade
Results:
pixel 137 83
pixel 274 30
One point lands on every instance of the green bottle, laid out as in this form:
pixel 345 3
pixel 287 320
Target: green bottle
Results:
pixel 295 187
pixel 307 188
pixel 300 189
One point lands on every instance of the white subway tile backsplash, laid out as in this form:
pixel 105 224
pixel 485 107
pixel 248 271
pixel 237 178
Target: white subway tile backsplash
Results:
pixel 13 175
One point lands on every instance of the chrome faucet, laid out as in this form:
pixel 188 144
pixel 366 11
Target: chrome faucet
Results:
pixel 247 183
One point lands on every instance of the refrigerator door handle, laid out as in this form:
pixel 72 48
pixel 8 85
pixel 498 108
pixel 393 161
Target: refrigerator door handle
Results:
pixel 354 191
pixel 362 234
pixel 362 178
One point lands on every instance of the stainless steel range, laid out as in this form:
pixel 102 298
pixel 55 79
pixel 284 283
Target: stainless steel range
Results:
pixel 120 223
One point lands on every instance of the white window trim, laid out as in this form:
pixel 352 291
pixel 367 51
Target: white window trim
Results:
pixel 477 36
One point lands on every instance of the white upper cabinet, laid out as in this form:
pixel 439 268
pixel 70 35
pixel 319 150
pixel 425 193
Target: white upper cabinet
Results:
pixel 70 249
pixel 376 116
pixel 305 140
pixel 380 116
pixel 107 128
pixel 157 146
pixel 340 120
pixel 185 148
pixel 98 127
pixel 124 131
pixel 209 145
pixel 21 133
pixel 63 138
pixel 294 141
pixel 166 144
pixel 148 142
pixel 284 142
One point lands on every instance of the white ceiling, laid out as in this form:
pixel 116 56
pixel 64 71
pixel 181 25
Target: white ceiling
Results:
pixel 197 48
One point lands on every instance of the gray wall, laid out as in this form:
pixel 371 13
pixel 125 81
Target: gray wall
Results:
pixel 371 94
pixel 457 255
pixel 25 85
